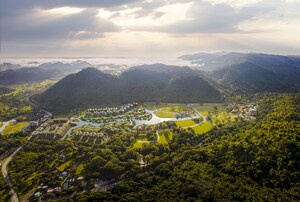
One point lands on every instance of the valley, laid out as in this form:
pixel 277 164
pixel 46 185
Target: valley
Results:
pixel 144 125
pixel 123 149
pixel 97 136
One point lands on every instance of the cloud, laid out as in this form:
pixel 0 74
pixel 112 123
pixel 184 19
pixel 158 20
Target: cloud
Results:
pixel 48 4
pixel 217 16
pixel 40 26
pixel 145 27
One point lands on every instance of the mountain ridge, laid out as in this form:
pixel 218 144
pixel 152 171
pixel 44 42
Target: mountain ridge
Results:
pixel 249 72
pixel 91 87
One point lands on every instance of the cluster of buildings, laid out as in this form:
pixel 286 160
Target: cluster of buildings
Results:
pixel 182 115
pixel 101 134
pixel 248 112
pixel 43 191
pixel 35 124
pixel 104 112
pixel 52 129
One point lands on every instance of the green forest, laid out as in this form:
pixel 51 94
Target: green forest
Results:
pixel 236 161
pixel 241 161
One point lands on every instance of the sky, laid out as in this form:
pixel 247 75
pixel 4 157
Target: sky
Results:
pixel 147 28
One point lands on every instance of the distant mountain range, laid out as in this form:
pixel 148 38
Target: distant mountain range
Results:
pixel 249 72
pixel 16 74
pixel 157 83
pixel 234 73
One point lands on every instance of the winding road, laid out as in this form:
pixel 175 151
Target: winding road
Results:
pixel 14 196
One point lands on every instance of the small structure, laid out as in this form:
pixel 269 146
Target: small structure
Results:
pixel 37 194
pixel 65 186
pixel 45 187
pixel 50 191
pixel 64 174
pixel 57 189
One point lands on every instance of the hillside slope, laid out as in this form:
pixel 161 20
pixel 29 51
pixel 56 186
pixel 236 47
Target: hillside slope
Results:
pixel 157 83
pixel 26 75
pixel 249 72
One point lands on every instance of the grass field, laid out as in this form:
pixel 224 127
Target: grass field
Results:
pixel 185 123
pixel 209 107
pixel 13 128
pixel 142 139
pixel 223 117
pixel 152 106
pixel 1 124
pixel 139 143
pixel 165 137
pixel 162 113
pixel 203 128
pixel 170 110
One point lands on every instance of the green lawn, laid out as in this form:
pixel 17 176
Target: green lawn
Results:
pixel 185 123
pixel 162 113
pixel 142 139
pixel 203 128
pixel 1 124
pixel 223 117
pixel 150 106
pixel 170 110
pixel 13 128
pixel 205 107
pixel 139 143
pixel 165 137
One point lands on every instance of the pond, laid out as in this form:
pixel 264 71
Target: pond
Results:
pixel 154 120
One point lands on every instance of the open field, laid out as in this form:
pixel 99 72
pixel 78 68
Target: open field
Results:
pixel 185 123
pixel 162 113
pixel 13 128
pixel 139 143
pixel 142 139
pixel 223 117
pixel 209 107
pixel 153 106
pixel 202 128
pixel 165 137
pixel 169 110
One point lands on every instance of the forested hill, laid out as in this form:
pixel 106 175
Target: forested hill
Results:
pixel 26 75
pixel 158 83
pixel 240 161
pixel 249 72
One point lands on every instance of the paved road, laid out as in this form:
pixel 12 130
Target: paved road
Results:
pixel 199 114
pixel 14 196
pixel 5 124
